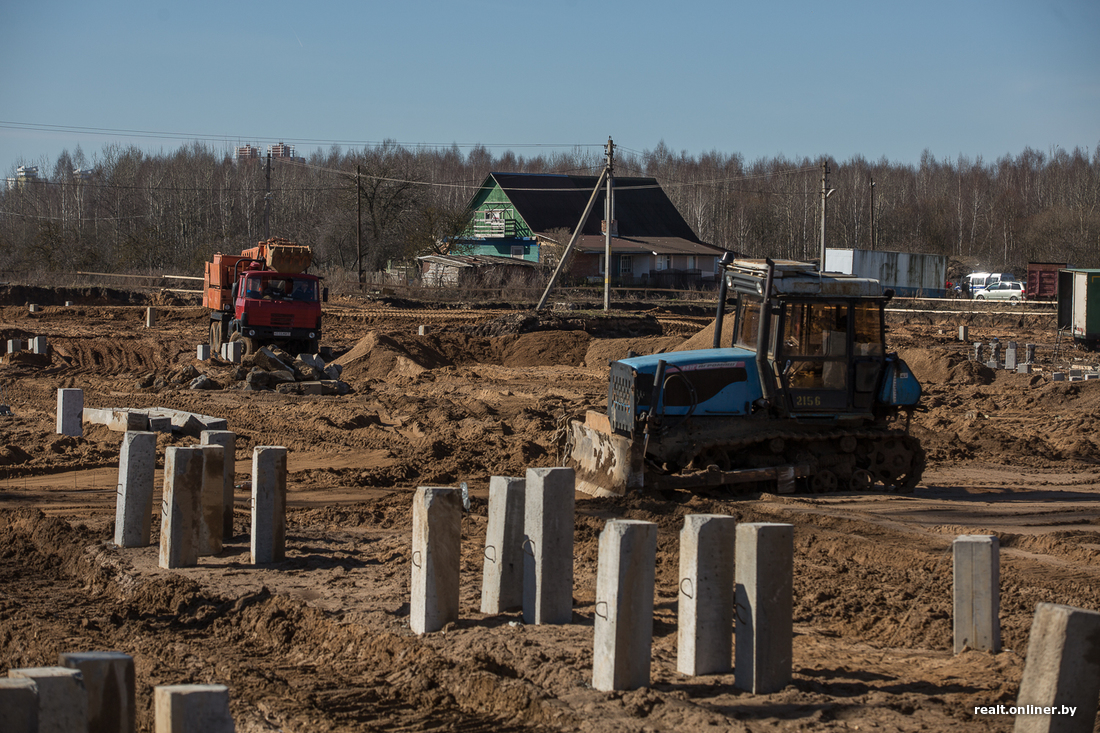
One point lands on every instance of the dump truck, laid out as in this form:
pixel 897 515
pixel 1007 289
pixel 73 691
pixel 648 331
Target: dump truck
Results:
pixel 264 296
pixel 804 398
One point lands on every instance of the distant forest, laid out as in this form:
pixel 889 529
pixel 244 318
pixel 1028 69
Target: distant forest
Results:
pixel 132 211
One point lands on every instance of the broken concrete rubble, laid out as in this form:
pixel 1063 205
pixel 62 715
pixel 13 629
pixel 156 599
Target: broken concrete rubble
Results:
pixel 152 418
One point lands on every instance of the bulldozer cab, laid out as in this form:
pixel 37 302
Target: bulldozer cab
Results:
pixel 823 349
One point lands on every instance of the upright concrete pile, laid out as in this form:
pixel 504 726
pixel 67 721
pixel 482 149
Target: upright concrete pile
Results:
pixel 211 524
pixel 227 439
pixel 549 502
pixel 181 510
pixel 436 552
pixel 137 465
pixel 192 709
pixel 623 634
pixel 19 704
pixel 62 698
pixel 705 617
pixel 977 594
pixel 1061 682
pixel 70 412
pixel 268 504
pixel 111 687
pixel 765 606
pixel 502 576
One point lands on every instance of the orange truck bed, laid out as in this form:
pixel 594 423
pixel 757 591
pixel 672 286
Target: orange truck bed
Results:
pixel 282 255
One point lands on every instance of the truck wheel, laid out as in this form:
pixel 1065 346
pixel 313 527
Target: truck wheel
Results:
pixel 216 336
pixel 250 347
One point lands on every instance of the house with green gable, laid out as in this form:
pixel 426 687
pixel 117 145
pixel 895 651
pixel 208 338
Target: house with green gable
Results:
pixel 530 216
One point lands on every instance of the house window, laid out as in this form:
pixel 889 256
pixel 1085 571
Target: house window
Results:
pixel 626 265
pixel 691 262
pixel 517 251
pixel 664 262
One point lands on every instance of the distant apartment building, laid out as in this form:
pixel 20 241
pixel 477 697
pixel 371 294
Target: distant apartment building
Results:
pixel 282 151
pixel 24 174
pixel 246 152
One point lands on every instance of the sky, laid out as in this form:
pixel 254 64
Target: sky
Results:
pixel 764 79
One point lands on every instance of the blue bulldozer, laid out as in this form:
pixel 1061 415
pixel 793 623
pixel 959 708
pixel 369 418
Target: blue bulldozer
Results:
pixel 804 398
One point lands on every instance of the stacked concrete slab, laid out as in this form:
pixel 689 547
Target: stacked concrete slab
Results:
pixel 436 552
pixel 765 603
pixel 705 616
pixel 154 418
pixel 623 633
pixel 502 576
pixel 549 502
pixel 137 465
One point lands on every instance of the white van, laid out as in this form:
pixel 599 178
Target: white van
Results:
pixel 981 280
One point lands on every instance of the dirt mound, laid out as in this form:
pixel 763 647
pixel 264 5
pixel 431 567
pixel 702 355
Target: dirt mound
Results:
pixel 23 294
pixel 705 338
pixel 378 356
pixel 545 348
pixel 940 366
pixel 602 351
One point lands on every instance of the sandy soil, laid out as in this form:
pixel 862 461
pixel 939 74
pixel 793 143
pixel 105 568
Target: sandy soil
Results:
pixel 321 642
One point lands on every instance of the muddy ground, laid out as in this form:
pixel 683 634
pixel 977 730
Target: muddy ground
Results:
pixel 321 642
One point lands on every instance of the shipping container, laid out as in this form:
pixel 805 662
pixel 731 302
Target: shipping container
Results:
pixel 908 274
pixel 1079 304
pixel 1042 280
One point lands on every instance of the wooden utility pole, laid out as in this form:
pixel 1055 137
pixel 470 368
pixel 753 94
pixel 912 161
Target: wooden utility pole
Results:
pixel 825 191
pixel 358 225
pixel 872 213
pixel 267 198
pixel 609 217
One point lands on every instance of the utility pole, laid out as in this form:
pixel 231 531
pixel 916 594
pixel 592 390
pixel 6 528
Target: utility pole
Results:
pixel 609 216
pixel 267 198
pixel 825 191
pixel 872 213
pixel 358 226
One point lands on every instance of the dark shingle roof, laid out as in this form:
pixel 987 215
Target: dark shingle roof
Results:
pixel 550 201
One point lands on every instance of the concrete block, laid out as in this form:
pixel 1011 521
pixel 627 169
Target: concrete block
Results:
pixel 211 518
pixel 14 346
pixel 268 504
pixel 70 412
pixel 232 351
pixel 192 709
pixel 623 633
pixel 150 317
pixel 993 364
pixel 35 308
pixel 110 683
pixel 1029 353
pixel 179 518
pixel 137 465
pixel 40 346
pixel 502 576
pixel 1092 375
pixel 964 333
pixel 422 331
pixel 977 592
pixel 69 304
pixel 19 704
pixel 1062 671
pixel 1057 377
pixel 227 439
pixel 1076 373
pixel 202 352
pixel 1010 358
pixel 1023 369
pixel 705 617
pixel 118 420
pixel 764 601
pixel 183 422
pixel 548 506
pixel 62 699
pixel 436 552
pixel 159 423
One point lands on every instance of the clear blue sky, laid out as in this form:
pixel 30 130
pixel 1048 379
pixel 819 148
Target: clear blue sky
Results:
pixel 794 78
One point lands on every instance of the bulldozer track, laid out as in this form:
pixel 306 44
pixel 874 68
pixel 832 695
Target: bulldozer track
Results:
pixel 859 460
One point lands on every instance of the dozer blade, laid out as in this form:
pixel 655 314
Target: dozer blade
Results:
pixel 606 464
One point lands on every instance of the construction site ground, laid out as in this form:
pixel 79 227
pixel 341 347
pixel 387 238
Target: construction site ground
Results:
pixel 321 642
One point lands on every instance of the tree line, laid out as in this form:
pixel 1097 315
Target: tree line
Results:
pixel 127 210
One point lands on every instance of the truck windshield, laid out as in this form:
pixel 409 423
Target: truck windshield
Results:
pixel 280 287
